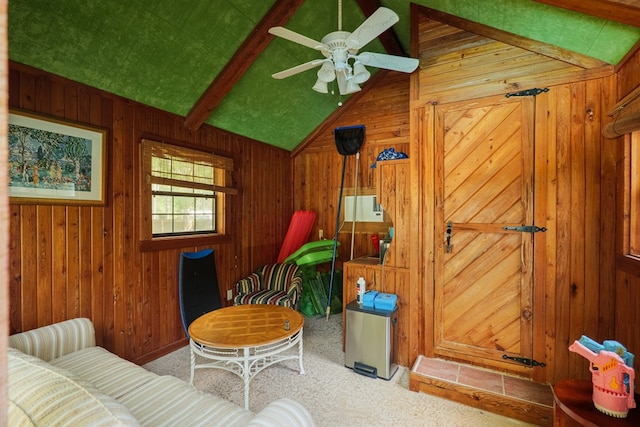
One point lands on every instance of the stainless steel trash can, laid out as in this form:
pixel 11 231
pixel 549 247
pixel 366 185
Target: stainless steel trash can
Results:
pixel 369 340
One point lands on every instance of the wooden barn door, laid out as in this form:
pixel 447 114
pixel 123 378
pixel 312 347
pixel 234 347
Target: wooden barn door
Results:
pixel 484 158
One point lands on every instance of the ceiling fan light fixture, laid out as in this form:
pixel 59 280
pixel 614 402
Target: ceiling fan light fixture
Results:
pixel 327 73
pixel 321 86
pixel 341 61
pixel 360 73
pixel 352 87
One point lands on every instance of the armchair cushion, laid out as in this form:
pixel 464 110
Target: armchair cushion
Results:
pixel 278 284
pixel 249 284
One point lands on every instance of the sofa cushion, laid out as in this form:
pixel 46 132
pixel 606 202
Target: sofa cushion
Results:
pixel 52 341
pixel 111 374
pixel 168 401
pixel 41 394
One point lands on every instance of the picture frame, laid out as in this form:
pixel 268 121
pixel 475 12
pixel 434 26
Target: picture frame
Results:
pixel 53 161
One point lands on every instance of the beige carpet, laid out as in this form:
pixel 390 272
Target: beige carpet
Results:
pixel 334 394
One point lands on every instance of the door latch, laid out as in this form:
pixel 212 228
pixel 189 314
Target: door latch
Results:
pixel 448 236
pixel 525 228
pixel 525 361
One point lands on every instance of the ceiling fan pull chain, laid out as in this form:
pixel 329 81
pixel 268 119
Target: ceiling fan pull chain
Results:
pixel 339 15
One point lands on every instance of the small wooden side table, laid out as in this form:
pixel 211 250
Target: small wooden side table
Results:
pixel 574 407
pixel 245 339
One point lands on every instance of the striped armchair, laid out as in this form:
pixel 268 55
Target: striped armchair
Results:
pixel 278 284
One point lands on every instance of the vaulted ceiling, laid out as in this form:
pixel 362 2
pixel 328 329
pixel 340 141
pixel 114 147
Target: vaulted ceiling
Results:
pixel 212 61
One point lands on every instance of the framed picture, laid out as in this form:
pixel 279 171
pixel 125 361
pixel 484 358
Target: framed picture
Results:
pixel 54 161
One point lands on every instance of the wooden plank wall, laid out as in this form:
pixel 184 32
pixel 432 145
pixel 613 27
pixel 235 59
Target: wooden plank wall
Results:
pixel 574 291
pixel 317 169
pixel 627 280
pixel 578 182
pixel 69 261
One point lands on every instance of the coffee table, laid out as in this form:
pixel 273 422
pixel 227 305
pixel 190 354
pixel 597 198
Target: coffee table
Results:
pixel 245 339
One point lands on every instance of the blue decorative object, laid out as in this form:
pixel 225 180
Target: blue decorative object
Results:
pixel 389 154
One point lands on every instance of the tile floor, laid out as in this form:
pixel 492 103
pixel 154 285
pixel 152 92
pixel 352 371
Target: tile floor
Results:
pixel 482 379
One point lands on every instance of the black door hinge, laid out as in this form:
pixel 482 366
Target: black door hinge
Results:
pixel 525 361
pixel 529 92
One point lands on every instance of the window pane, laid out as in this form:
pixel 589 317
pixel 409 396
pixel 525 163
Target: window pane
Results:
pixel 162 224
pixel 204 222
pixel 181 209
pixel 161 205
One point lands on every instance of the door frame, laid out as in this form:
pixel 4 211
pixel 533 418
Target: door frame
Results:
pixel 424 116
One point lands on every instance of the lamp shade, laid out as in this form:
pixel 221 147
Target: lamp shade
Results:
pixel 327 73
pixel 352 87
pixel 360 73
pixel 320 86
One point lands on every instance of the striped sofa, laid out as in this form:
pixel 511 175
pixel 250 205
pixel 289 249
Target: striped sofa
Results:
pixel 278 284
pixel 59 377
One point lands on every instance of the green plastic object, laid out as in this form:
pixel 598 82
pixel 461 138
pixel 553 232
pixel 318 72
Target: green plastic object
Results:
pixel 315 289
pixel 313 253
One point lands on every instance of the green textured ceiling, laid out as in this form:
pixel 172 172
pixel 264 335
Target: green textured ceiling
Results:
pixel 165 53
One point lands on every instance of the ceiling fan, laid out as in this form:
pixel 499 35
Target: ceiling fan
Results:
pixel 340 49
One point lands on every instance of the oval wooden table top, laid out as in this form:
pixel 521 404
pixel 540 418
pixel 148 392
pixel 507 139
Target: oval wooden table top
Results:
pixel 575 399
pixel 245 326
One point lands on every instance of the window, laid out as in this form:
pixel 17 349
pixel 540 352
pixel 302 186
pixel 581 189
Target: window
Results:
pixel 183 190
pixel 632 195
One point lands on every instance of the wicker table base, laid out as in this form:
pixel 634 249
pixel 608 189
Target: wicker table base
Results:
pixel 246 339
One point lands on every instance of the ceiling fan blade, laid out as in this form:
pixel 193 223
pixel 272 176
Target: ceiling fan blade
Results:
pixel 297 38
pixel 388 62
pixel 381 20
pixel 298 69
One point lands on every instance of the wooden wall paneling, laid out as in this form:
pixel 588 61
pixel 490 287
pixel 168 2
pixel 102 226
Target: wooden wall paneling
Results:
pixel 627 315
pixel 384 112
pixel 542 268
pixel 67 261
pixel 43 266
pixel 115 313
pixel 101 237
pixel 28 275
pixel 14 292
pixel 402 220
pixel 62 294
pixel 577 217
pixel 564 287
pixel 546 131
pixel 403 329
pixel 627 281
pixel 421 243
pixel 627 76
pixel 593 239
pixel 85 262
pixel 389 198
pixel 608 213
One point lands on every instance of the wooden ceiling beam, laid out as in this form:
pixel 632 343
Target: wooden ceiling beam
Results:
pixel 389 38
pixel 245 56
pixel 624 11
